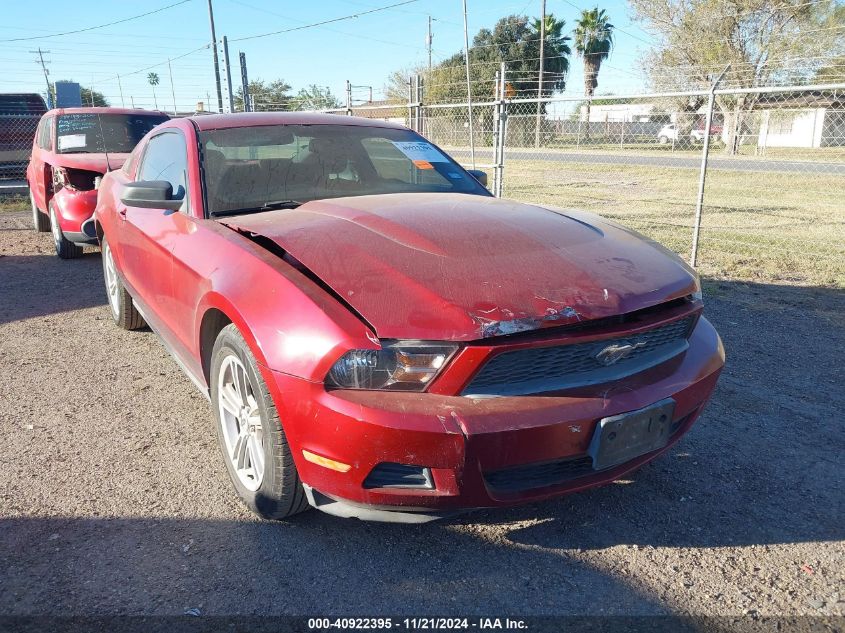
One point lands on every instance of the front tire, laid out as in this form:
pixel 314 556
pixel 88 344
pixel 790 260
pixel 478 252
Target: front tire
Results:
pixel 123 311
pixel 249 431
pixel 40 222
pixel 663 140
pixel 65 249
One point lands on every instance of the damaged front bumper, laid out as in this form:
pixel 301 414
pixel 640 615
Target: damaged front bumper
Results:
pixel 74 211
pixel 480 452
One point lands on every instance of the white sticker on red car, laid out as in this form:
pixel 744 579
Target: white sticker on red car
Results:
pixel 420 151
pixel 72 141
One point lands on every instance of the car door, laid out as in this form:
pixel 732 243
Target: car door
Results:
pixel 40 173
pixel 147 235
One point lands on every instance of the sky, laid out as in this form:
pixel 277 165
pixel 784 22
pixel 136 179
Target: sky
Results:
pixel 363 50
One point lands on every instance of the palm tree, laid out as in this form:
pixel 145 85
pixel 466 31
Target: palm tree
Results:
pixel 593 41
pixel 153 79
pixel 553 43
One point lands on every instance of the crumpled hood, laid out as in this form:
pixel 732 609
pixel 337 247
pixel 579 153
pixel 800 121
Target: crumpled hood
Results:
pixel 462 267
pixel 91 162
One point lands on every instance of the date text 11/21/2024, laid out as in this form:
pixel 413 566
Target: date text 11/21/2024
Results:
pixel 422 623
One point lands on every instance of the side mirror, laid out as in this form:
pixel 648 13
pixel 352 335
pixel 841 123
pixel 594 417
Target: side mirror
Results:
pixel 480 176
pixel 151 194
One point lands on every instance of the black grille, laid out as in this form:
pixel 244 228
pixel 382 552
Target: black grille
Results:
pixel 388 475
pixel 564 366
pixel 539 475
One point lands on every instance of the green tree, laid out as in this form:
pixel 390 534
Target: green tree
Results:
pixel 593 42
pixel 314 98
pixel 764 41
pixel 268 96
pixel 396 86
pixel 513 39
pixel 153 80
pixel 832 68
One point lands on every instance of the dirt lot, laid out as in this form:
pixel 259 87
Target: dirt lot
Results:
pixel 113 498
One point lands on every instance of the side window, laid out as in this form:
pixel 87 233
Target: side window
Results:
pixel 166 158
pixel 44 133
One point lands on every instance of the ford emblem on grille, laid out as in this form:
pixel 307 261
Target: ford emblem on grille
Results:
pixel 616 352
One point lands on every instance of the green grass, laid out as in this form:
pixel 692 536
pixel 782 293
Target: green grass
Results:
pixel 13 203
pixel 772 227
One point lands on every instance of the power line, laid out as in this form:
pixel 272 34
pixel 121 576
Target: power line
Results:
pixel 99 26
pixel 162 63
pixel 308 26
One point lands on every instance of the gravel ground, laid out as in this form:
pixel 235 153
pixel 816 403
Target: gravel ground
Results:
pixel 114 499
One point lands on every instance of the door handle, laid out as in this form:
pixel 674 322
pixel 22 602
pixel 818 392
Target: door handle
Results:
pixel 121 211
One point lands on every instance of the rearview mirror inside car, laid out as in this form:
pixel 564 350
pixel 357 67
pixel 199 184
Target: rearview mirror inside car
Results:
pixel 480 176
pixel 151 194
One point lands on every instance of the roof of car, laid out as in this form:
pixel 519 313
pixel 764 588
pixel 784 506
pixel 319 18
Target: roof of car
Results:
pixel 246 119
pixel 101 110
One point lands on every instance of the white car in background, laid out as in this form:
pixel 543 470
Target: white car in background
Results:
pixel 667 133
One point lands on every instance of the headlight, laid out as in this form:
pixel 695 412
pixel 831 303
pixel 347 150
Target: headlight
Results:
pixel 397 367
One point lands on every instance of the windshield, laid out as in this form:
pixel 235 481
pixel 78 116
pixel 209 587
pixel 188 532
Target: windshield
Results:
pixel 248 168
pixel 81 133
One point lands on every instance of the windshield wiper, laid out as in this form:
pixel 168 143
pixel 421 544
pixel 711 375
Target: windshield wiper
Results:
pixel 269 206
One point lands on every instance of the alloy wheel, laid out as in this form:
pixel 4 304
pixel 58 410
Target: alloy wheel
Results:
pixel 55 228
pixel 112 282
pixel 241 423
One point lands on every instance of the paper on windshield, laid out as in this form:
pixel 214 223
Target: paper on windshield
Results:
pixel 420 151
pixel 71 141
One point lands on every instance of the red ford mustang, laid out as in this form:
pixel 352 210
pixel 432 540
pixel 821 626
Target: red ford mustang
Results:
pixel 379 336
pixel 71 149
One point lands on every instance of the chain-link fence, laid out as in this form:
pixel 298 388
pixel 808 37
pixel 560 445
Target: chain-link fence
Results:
pixel 770 188
pixel 771 185
pixel 19 116
pixel 765 200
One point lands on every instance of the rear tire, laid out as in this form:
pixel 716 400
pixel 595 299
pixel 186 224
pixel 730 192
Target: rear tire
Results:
pixel 255 450
pixel 65 249
pixel 663 140
pixel 40 222
pixel 123 311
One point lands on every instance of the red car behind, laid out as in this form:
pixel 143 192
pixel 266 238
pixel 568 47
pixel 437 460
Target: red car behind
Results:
pixel 72 148
pixel 379 336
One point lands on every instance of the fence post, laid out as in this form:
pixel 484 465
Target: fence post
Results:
pixel 500 131
pixel 348 98
pixel 418 114
pixel 230 92
pixel 245 83
pixel 705 152
pixel 411 102
pixel 497 132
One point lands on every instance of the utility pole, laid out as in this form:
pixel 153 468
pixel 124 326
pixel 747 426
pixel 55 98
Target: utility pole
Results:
pixel 469 90
pixel 46 77
pixel 172 90
pixel 428 44
pixel 245 83
pixel 120 86
pixel 540 82
pixel 216 60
